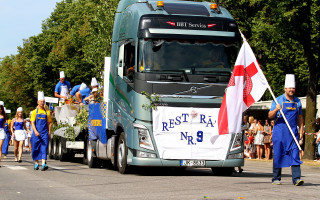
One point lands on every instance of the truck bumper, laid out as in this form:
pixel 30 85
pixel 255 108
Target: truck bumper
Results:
pixel 157 162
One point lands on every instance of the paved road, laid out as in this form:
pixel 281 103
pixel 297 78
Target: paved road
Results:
pixel 74 180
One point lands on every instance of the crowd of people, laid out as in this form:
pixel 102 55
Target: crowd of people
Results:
pixel 258 142
pixel 81 93
pixel 16 132
pixel 35 132
pixel 258 139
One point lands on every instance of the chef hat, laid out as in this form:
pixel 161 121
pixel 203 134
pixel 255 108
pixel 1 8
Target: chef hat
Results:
pixel 94 82
pixel 290 81
pixel 40 96
pixel 1 103
pixel 20 109
pixel 94 90
pixel 82 86
pixel 62 74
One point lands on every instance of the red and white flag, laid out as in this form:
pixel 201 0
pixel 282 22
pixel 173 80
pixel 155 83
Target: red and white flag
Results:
pixel 246 86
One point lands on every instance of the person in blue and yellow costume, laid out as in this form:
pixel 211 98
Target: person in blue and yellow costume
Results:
pixel 41 124
pixel 5 145
pixel 3 119
pixel 286 151
pixel 18 129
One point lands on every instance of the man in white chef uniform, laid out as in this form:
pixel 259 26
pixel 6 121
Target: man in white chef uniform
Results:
pixel 62 88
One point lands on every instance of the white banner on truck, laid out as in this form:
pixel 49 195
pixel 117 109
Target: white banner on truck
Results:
pixel 189 133
pixel 51 99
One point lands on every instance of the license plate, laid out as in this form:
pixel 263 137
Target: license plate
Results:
pixel 75 145
pixel 193 163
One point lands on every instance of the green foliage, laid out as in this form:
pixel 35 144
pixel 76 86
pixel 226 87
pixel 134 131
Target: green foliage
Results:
pixel 154 99
pixel 69 133
pixel 75 38
pixel 82 119
pixel 285 37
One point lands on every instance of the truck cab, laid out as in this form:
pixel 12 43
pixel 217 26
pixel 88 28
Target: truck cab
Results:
pixel 170 65
pixel 163 86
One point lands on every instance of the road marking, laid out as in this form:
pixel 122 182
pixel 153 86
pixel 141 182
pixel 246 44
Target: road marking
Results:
pixel 57 168
pixel 15 167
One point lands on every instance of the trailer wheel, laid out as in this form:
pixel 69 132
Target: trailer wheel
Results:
pixel 122 153
pixel 55 149
pixel 92 161
pixel 85 159
pixel 62 151
pixel 50 149
pixel 222 171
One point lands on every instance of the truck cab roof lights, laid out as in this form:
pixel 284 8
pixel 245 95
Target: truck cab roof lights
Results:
pixel 215 8
pixel 160 4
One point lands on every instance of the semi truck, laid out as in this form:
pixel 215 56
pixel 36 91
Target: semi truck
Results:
pixel 164 83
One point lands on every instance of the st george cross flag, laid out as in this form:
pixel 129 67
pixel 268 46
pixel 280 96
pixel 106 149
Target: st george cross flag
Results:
pixel 246 86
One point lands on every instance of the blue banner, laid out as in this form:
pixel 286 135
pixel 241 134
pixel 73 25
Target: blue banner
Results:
pixel 97 122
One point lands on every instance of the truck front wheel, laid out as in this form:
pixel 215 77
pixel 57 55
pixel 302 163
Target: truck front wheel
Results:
pixel 50 149
pixel 122 153
pixel 92 161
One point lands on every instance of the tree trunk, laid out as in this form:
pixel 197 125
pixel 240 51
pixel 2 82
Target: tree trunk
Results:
pixel 310 127
pixel 311 109
pixel 310 118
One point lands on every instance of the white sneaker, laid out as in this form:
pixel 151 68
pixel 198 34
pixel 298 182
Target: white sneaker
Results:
pixel 276 182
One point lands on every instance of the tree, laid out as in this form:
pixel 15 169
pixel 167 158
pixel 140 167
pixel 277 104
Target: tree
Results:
pixel 292 27
pixel 75 38
pixel 14 83
pixel 285 38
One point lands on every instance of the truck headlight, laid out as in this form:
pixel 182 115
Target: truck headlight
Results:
pixel 144 137
pixel 235 156
pixel 237 142
pixel 143 154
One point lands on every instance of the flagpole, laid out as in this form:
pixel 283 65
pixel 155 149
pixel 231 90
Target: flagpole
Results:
pixel 275 99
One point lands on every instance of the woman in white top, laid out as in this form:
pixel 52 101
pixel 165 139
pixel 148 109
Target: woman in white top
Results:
pixel 258 139
pixel 19 133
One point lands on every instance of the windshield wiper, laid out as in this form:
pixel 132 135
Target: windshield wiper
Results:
pixel 181 71
pixel 222 70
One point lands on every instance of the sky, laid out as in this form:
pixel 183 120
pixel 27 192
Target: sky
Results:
pixel 21 19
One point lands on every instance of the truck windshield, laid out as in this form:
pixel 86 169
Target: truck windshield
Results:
pixel 191 57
